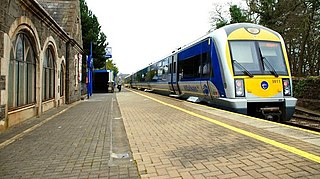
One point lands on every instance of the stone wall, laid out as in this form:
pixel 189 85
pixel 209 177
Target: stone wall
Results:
pixel 30 17
pixel 307 90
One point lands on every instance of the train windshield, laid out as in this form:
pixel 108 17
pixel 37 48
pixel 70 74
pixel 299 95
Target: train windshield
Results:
pixel 257 58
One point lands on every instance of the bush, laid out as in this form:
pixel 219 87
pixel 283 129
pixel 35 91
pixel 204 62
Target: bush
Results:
pixel 307 88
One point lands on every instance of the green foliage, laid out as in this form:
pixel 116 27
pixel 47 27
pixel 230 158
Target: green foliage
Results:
pixel 237 15
pixel 306 87
pixel 298 21
pixel 221 23
pixel 112 66
pixel 299 88
pixel 91 33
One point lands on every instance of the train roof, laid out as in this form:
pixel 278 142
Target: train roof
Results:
pixel 228 29
pixel 232 27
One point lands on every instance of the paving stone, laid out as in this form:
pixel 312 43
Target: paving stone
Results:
pixel 196 147
pixel 157 141
pixel 74 144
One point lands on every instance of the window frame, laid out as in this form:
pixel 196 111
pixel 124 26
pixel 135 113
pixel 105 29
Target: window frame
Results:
pixel 22 73
pixel 48 75
pixel 261 64
pixel 195 58
pixel 62 76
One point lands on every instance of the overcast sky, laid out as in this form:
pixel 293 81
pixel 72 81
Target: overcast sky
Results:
pixel 145 31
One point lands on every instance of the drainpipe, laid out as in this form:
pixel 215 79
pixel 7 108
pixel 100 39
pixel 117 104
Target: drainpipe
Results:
pixel 67 96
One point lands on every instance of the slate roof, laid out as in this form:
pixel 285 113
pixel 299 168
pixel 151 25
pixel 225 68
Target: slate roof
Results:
pixel 64 12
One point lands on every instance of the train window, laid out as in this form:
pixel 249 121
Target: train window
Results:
pixel 160 70
pixel 165 66
pixel 152 73
pixel 272 57
pixel 257 57
pixel 244 56
pixel 238 49
pixel 143 79
pixel 206 65
pixel 165 69
pixel 139 77
pixel 191 67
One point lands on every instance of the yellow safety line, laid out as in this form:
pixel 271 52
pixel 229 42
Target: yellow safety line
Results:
pixel 291 149
pixel 271 122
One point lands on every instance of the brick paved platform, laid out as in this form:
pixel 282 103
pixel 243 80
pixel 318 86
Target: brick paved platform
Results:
pixel 153 136
pixel 88 140
pixel 169 138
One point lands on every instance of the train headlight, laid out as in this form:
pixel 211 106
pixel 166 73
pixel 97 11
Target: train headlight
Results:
pixel 239 86
pixel 286 87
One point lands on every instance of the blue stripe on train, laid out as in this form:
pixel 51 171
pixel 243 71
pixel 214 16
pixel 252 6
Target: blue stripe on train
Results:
pixel 217 77
pixel 202 48
pixel 194 50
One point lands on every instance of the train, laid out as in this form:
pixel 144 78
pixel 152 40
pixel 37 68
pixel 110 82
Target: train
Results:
pixel 240 67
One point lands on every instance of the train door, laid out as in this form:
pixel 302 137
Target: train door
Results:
pixel 206 69
pixel 173 83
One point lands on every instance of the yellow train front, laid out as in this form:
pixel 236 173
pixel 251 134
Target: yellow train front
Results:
pixel 255 71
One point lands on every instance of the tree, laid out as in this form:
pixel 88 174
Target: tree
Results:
pixel 238 15
pixel 219 18
pixel 92 35
pixel 112 66
pixel 298 21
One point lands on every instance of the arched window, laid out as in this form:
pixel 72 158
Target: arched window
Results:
pixel 48 76
pixel 61 80
pixel 22 73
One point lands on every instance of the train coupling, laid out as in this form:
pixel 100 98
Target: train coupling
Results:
pixel 271 113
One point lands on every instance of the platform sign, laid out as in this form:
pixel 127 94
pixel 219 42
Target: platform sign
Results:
pixel 108 52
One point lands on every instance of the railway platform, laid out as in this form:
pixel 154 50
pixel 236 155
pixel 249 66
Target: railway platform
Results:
pixel 172 138
pixel 135 134
pixel 86 139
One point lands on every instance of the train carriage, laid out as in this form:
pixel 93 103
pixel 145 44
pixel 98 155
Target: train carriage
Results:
pixel 240 67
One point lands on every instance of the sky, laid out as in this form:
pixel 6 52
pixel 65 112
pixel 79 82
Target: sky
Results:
pixel 141 32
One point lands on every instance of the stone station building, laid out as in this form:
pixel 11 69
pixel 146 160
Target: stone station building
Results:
pixel 41 57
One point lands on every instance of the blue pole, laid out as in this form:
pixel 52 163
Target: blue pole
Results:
pixel 88 76
pixel 91 82
pixel 89 66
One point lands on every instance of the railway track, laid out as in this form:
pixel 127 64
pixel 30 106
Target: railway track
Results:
pixel 306 119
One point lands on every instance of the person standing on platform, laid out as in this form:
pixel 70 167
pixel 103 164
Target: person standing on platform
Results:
pixel 119 84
